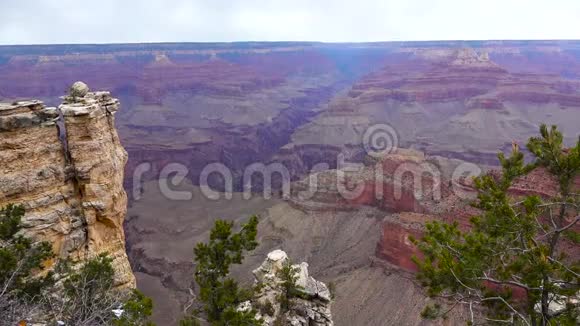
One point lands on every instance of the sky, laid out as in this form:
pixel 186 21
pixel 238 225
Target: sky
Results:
pixel 137 21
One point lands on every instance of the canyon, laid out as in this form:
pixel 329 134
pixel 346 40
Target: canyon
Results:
pixel 449 105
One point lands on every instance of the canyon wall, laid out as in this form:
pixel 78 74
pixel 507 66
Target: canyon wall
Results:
pixel 242 103
pixel 65 166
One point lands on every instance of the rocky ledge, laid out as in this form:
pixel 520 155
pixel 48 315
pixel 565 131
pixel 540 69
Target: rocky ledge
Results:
pixel 312 307
pixel 65 166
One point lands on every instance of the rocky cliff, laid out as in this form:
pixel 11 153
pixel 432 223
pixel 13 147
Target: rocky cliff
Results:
pixel 312 307
pixel 65 166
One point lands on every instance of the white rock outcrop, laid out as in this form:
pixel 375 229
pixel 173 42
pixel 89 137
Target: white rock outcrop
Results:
pixel 311 308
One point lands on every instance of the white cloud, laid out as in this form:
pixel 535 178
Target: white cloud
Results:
pixel 107 21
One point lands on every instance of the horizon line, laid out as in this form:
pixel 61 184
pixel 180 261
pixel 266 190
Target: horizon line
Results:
pixel 298 42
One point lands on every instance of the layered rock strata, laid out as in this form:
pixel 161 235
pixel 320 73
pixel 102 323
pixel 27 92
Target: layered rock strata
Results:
pixel 412 189
pixel 65 166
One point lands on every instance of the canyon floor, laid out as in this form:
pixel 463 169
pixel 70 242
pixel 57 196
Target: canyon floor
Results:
pixel 160 240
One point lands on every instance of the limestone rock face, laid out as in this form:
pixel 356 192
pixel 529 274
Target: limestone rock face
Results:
pixel 312 308
pixel 67 171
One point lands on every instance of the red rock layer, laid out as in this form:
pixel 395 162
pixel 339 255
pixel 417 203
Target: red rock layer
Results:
pixel 404 185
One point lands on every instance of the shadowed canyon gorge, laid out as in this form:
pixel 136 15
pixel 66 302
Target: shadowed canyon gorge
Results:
pixel 449 105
